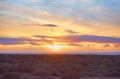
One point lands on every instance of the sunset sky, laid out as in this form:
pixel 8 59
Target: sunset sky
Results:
pixel 59 25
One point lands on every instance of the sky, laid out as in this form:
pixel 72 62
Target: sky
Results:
pixel 60 25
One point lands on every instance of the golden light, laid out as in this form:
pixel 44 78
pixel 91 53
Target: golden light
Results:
pixel 55 47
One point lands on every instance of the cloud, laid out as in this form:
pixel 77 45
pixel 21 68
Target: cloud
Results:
pixel 46 25
pixel 83 38
pixel 80 10
pixel 74 40
pixel 12 41
pixel 50 25
pixel 92 38
pixel 76 44
pixel 85 1
pixel 117 45
pixel 106 45
pixel 75 17
pixel 70 31
pixel 41 36
pixel 23 40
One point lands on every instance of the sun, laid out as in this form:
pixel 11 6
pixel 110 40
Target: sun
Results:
pixel 55 47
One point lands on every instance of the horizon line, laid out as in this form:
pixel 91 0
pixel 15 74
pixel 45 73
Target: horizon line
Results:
pixel 73 53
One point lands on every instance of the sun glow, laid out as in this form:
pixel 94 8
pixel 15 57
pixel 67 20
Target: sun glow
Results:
pixel 56 46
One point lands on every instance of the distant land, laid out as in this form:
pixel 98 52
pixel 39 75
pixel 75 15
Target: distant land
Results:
pixel 86 53
pixel 60 66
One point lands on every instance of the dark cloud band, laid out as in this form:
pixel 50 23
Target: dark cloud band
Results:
pixel 70 39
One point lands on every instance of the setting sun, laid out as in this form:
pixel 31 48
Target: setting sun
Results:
pixel 56 47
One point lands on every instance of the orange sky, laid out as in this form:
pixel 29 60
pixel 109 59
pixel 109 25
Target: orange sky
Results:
pixel 59 26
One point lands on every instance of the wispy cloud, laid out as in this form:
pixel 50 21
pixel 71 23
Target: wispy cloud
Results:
pixel 50 25
pixel 45 25
pixel 70 31
pixel 77 15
